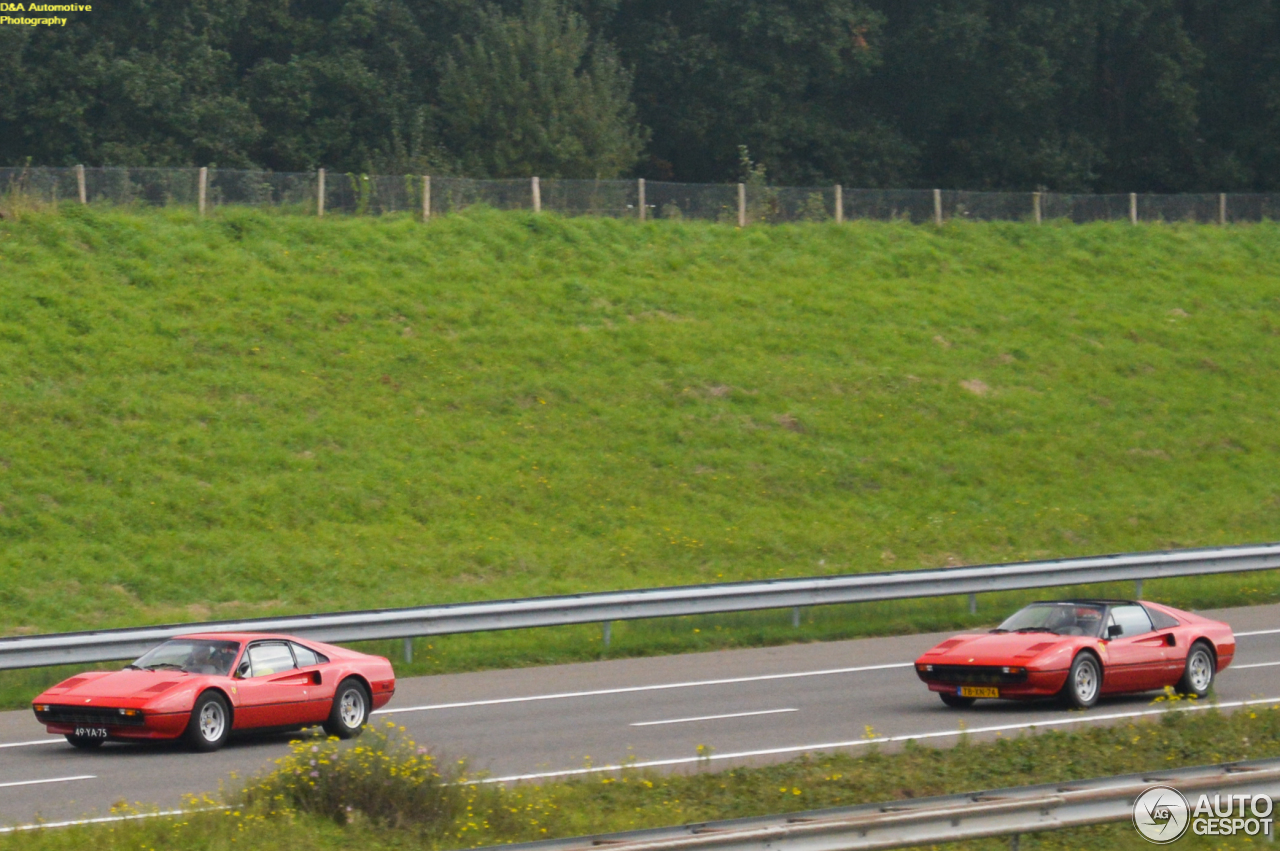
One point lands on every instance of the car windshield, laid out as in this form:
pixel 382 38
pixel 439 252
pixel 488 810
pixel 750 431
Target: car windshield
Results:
pixel 1056 618
pixel 193 655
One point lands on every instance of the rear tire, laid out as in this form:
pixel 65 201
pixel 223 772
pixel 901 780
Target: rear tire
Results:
pixel 350 710
pixel 1197 677
pixel 210 724
pixel 955 701
pixel 1084 682
pixel 84 744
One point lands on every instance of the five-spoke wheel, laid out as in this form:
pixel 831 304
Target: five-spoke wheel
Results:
pixel 350 710
pixel 1084 681
pixel 1197 677
pixel 210 724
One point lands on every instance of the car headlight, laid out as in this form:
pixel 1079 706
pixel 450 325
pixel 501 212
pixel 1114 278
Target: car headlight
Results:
pixel 41 707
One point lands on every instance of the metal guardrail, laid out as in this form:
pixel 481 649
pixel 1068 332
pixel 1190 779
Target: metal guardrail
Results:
pixel 922 821
pixel 104 645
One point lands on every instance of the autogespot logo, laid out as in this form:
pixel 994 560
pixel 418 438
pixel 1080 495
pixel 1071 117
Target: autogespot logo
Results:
pixel 1161 814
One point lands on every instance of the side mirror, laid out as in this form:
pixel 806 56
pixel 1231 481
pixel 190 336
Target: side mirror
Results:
pixel 1114 630
pixel 243 670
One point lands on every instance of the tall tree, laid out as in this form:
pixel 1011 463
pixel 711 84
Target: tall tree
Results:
pixel 786 78
pixel 535 93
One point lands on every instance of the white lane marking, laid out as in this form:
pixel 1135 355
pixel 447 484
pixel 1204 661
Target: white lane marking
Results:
pixel 631 689
pixel 34 742
pixel 1257 632
pixel 49 780
pixel 995 728
pixel 42 825
pixel 1253 665
pixel 711 717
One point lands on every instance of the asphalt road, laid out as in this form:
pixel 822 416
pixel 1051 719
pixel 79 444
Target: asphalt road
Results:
pixel 761 705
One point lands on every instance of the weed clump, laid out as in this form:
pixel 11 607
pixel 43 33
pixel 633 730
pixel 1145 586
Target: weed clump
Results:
pixel 384 778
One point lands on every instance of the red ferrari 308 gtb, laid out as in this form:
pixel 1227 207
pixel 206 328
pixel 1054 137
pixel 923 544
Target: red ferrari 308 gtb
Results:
pixel 203 687
pixel 1079 649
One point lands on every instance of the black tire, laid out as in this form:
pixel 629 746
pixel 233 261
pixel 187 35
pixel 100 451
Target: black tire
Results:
pixel 1084 682
pixel 1197 676
pixel 350 710
pixel 83 743
pixel 955 701
pixel 210 724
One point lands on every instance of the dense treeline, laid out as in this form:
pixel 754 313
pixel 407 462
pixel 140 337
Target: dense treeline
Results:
pixel 1086 95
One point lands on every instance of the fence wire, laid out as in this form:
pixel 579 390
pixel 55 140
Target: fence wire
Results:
pixel 373 195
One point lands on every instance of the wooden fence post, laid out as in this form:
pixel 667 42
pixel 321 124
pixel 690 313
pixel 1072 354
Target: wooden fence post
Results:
pixel 642 207
pixel 1035 205
pixel 742 205
pixel 202 191
pixel 84 196
pixel 537 196
pixel 937 206
pixel 426 197
pixel 320 193
pixel 839 204
pixel 1222 208
pixel 1133 208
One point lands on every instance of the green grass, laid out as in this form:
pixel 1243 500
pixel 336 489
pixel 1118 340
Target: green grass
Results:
pixel 384 793
pixel 256 414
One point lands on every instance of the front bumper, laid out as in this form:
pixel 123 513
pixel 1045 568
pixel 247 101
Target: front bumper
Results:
pixel 1033 684
pixel 166 726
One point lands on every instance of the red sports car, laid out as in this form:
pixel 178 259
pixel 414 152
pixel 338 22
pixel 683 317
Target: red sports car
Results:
pixel 203 687
pixel 1079 649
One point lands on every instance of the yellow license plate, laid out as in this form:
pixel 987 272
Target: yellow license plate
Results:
pixel 975 691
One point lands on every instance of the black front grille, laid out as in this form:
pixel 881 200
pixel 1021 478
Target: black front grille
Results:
pixel 98 716
pixel 975 675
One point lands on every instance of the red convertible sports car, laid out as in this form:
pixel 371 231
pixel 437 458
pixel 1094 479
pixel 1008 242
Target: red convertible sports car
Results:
pixel 1077 650
pixel 203 687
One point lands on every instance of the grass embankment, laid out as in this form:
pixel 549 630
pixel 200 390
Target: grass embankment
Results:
pixel 254 414
pixel 386 793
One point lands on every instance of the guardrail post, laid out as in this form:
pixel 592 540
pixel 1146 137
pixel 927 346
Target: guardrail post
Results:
pixel 642 209
pixel 608 632
pixel 1137 589
pixel 426 197
pixel 1222 208
pixel 320 192
pixel 973 604
pixel 795 617
pixel 1133 208
pixel 202 191
pixel 839 204
pixel 1035 205
pixel 937 207
pixel 408 650
pixel 742 205
pixel 536 188
pixel 1013 842
pixel 84 196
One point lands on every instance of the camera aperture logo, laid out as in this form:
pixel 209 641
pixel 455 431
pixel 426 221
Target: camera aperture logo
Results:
pixel 1161 814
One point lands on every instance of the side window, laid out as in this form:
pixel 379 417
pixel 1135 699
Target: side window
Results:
pixel 1133 619
pixel 270 658
pixel 306 656
pixel 1160 620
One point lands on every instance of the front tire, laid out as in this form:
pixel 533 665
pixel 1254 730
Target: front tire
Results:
pixel 1197 677
pixel 350 710
pixel 1084 682
pixel 83 743
pixel 955 701
pixel 210 724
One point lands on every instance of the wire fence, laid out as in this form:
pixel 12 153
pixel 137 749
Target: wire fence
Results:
pixel 318 193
